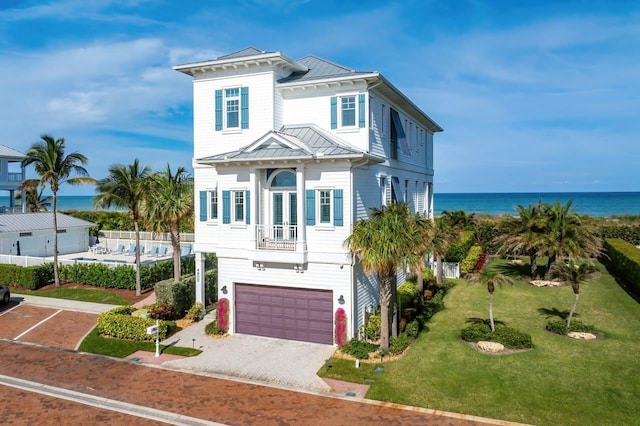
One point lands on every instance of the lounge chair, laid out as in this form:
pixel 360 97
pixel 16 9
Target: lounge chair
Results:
pixel 186 251
pixel 153 251
pixel 118 249
pixel 131 251
pixel 162 251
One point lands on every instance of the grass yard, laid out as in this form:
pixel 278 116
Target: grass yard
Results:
pixel 79 294
pixel 96 344
pixel 560 381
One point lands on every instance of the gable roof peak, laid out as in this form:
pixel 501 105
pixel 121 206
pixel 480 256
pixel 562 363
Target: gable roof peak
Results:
pixel 247 51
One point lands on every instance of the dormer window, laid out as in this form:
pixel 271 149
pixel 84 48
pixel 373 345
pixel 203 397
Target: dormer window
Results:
pixel 232 108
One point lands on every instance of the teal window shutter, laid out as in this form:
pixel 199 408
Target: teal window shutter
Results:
pixel 203 206
pixel 218 110
pixel 311 207
pixel 247 207
pixel 334 112
pixel 226 207
pixel 337 207
pixel 244 108
pixel 361 110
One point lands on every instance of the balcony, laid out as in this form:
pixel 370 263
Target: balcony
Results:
pixel 277 237
pixel 14 177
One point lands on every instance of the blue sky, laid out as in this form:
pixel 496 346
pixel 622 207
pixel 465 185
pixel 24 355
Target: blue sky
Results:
pixel 533 96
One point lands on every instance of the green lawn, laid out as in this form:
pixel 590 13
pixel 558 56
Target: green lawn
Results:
pixel 79 294
pixel 96 344
pixel 560 381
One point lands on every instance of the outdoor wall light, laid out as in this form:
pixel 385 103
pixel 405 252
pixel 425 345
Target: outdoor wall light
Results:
pixel 224 289
pixel 341 300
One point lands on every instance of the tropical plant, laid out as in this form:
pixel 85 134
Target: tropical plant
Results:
pixel 459 219
pixel 442 237
pixel 567 235
pixel 491 278
pixel 55 168
pixel 126 186
pixel 170 201
pixel 382 243
pixel 574 273
pixel 523 234
pixel 34 200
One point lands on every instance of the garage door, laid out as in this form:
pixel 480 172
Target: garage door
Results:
pixel 285 313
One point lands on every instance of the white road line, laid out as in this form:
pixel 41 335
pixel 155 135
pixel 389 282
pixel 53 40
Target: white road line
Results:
pixel 105 403
pixel 41 322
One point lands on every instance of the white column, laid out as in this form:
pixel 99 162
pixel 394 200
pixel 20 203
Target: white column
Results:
pixel 255 200
pixel 301 244
pixel 200 278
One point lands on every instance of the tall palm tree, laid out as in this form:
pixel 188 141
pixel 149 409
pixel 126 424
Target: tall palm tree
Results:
pixel 34 200
pixel 55 168
pixel 575 273
pixel 522 234
pixel 170 201
pixel 382 242
pixel 127 187
pixel 491 279
pixel 567 235
pixel 442 237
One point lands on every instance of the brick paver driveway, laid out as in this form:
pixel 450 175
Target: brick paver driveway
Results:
pixel 45 326
pixel 200 397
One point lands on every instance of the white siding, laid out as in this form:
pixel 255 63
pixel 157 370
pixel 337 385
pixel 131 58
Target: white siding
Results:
pixel 367 294
pixel 206 233
pixel 366 190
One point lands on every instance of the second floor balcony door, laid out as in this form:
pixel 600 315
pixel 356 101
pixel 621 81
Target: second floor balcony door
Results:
pixel 284 215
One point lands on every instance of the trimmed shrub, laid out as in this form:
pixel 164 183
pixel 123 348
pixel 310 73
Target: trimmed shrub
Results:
pixel 628 233
pixel 469 262
pixel 341 327
pixel 180 294
pixel 560 327
pixel 371 330
pixel 475 333
pixel 119 324
pixel 212 328
pixel 162 311
pixel 412 329
pixel 509 337
pixel 28 277
pixel 624 261
pixel 397 345
pixel 358 349
pixel 195 312
pixel 223 314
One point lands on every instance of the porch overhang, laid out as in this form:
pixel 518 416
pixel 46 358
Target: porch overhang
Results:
pixel 368 158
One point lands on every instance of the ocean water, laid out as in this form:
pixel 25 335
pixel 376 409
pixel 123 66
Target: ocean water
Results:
pixel 591 203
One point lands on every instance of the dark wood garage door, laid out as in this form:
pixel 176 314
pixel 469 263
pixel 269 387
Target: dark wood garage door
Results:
pixel 285 313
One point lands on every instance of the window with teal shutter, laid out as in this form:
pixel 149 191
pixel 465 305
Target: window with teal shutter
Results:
pixel 226 207
pixel 218 110
pixel 337 207
pixel 334 112
pixel 311 206
pixel 247 207
pixel 203 206
pixel 361 110
pixel 244 109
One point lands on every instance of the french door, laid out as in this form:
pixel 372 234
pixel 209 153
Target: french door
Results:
pixel 284 215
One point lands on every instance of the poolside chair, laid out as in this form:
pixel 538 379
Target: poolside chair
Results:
pixel 153 251
pixel 118 249
pixel 162 251
pixel 131 251
pixel 186 251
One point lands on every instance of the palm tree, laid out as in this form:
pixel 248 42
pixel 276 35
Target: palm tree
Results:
pixel 33 198
pixel 459 219
pixel 127 187
pixel 522 234
pixel 575 273
pixel 442 236
pixel 170 201
pixel 491 278
pixel 382 242
pixel 55 168
pixel 567 235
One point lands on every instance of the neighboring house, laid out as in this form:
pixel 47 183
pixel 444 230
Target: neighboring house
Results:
pixel 288 154
pixel 11 174
pixel 31 234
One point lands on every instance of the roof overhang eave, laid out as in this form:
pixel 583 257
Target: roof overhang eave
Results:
pixel 187 68
pixel 303 158
pixel 315 82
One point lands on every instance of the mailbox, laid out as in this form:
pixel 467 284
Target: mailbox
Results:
pixel 152 329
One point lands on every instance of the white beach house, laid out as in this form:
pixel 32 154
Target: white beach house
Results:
pixel 288 154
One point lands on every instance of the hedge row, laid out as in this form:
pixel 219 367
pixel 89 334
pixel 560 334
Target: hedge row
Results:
pixel 624 260
pixel 119 324
pixel 629 233
pixel 468 263
pixel 29 277
pixel 458 251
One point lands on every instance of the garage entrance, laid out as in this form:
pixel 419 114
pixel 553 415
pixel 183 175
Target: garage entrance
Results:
pixel 285 313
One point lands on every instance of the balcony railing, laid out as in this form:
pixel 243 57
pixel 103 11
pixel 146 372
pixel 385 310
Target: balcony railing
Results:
pixel 277 237
pixel 14 177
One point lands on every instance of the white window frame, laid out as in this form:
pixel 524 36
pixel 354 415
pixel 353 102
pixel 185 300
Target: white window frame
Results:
pixel 355 111
pixel 225 111
pixel 214 212
pixel 234 206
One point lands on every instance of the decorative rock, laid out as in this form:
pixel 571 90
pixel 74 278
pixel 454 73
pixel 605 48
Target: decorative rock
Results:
pixel 543 283
pixel 581 336
pixel 490 347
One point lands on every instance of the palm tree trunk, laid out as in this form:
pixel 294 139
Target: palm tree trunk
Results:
pixel 532 262
pixel 137 253
pixel 439 270
pixel 394 306
pixel 493 326
pixel 56 276
pixel 573 309
pixel 174 233
pixel 550 262
pixel 420 282
pixel 385 314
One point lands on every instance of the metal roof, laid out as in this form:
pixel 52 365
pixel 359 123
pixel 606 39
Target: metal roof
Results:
pixel 306 141
pixel 247 51
pixel 5 152
pixel 26 222
pixel 320 69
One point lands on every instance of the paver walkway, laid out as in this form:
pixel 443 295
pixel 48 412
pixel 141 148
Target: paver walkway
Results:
pixel 201 397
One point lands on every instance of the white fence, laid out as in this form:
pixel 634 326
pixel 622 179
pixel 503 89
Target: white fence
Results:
pixel 449 269
pixel 185 237
pixel 35 261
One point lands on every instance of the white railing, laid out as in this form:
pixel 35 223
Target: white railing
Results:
pixel 36 261
pixel 449 269
pixel 14 177
pixel 277 237
pixel 186 237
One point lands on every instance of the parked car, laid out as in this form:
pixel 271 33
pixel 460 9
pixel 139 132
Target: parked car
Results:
pixel 5 294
